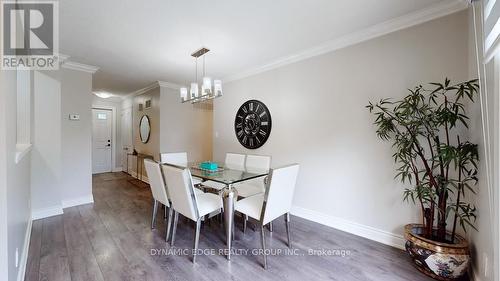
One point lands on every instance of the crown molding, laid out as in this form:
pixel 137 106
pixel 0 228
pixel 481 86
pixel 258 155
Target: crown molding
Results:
pixel 62 58
pixel 142 90
pixel 408 20
pixel 154 85
pixel 79 66
pixel 169 85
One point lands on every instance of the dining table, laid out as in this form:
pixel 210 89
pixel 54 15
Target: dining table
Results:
pixel 229 178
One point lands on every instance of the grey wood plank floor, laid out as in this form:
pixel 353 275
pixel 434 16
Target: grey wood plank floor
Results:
pixel 112 240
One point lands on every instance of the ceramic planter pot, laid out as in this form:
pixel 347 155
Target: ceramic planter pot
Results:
pixel 441 261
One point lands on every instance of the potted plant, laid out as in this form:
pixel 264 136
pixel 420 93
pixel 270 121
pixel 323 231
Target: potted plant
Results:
pixel 427 129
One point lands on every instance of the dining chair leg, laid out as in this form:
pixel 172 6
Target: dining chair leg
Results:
pixel 169 222
pixel 174 230
pixel 287 221
pixel 155 210
pixel 196 239
pixel 245 219
pixel 262 237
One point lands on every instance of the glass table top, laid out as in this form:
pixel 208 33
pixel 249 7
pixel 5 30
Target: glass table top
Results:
pixel 225 175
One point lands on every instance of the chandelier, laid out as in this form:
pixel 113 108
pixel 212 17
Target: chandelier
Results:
pixel 208 90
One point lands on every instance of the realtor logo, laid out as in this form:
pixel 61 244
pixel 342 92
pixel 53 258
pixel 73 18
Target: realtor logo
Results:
pixel 30 31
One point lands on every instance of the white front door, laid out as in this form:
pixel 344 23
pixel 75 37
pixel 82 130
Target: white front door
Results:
pixel 127 146
pixel 102 128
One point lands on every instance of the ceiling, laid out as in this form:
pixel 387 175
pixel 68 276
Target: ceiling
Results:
pixel 138 42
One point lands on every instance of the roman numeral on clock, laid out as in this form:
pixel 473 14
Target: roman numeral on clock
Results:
pixel 252 124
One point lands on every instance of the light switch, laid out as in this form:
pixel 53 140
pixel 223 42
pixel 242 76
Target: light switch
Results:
pixel 74 117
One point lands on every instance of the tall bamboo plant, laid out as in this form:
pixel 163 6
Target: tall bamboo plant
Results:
pixel 424 128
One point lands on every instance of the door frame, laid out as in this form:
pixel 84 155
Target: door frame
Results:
pixel 122 129
pixel 113 133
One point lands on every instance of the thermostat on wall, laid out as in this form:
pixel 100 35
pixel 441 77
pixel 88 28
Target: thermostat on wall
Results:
pixel 74 117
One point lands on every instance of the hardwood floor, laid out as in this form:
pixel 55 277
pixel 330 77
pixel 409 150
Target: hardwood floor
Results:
pixel 112 240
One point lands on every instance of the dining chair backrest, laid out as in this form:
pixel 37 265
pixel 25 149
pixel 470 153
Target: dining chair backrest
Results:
pixel 279 192
pixel 181 190
pixel 156 181
pixel 235 161
pixel 257 163
pixel 177 158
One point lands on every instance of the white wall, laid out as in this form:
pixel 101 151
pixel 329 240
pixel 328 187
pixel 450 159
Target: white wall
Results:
pixel 46 167
pixel 482 240
pixel 14 185
pixel 184 126
pixel 62 164
pixel 5 84
pixel 320 121
pixel 76 137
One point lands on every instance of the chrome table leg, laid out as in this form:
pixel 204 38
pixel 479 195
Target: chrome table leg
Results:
pixel 287 221
pixel 155 210
pixel 228 196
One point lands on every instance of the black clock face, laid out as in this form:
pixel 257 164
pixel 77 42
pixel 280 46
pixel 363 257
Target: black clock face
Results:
pixel 252 124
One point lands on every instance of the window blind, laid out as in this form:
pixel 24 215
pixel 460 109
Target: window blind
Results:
pixel 491 28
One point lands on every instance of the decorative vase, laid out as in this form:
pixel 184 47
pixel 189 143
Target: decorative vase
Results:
pixel 441 261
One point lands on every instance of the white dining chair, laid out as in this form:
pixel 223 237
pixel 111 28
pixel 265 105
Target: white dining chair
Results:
pixel 233 161
pixel 178 159
pixel 275 202
pixel 159 191
pixel 188 203
pixel 254 164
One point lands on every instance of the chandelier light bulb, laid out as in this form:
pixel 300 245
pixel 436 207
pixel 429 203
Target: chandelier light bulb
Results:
pixel 218 87
pixel 194 90
pixel 184 93
pixel 207 86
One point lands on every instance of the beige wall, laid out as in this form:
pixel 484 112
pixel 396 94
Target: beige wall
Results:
pixel 320 121
pixel 152 147
pixel 185 127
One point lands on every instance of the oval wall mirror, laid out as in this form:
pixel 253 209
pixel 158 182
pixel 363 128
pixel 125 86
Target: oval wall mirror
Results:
pixel 144 129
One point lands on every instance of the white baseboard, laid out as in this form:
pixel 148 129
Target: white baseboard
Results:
pixel 365 231
pixel 117 169
pixel 24 256
pixel 78 201
pixel 46 212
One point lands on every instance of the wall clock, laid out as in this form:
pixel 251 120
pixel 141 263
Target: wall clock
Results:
pixel 252 124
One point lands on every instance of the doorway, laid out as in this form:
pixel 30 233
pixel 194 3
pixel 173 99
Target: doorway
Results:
pixel 102 140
